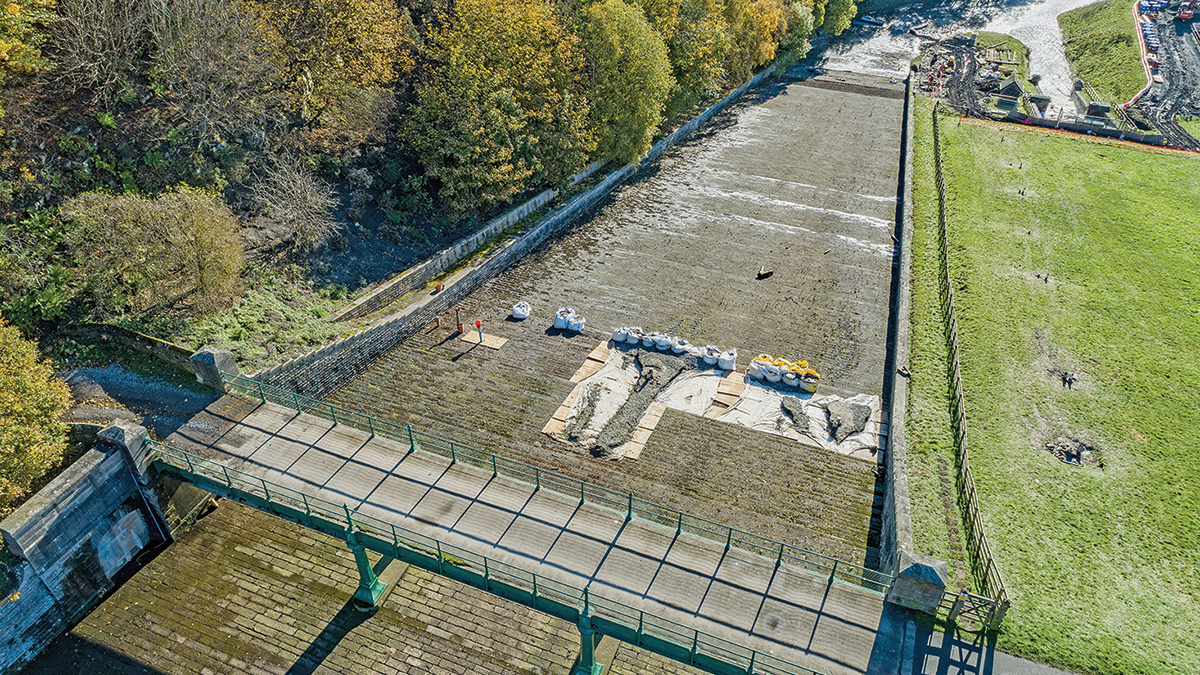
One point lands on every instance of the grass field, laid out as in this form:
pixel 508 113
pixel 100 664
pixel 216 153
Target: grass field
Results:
pixel 1101 43
pixel 1102 561
pixel 1192 126
pixel 937 529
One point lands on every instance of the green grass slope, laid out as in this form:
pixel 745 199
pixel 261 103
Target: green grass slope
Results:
pixel 1102 561
pixel 1101 43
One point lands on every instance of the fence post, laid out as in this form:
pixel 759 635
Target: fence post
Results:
pixel 188 457
pixel 266 492
pixel 412 443
pixel 581 493
pixel 629 510
pixel 537 476
pixel 957 609
pixel 453 456
pixel 333 413
pixel 228 480
pixel 833 572
pixel 441 567
pixel 487 576
pixel 371 425
pixel 261 394
pixel 296 400
pixel 779 560
pixel 678 523
pixel 728 538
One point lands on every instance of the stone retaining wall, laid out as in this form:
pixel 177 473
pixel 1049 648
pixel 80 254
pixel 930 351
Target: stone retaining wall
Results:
pixel 896 532
pixel 326 369
pixel 417 276
pixel 73 539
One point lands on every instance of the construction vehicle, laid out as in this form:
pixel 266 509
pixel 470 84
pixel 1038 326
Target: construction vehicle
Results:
pixel 1186 10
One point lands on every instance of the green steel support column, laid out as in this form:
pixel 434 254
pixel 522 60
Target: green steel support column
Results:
pixel 370 588
pixel 588 638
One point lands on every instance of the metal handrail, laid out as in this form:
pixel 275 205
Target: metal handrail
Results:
pixel 608 616
pixel 624 503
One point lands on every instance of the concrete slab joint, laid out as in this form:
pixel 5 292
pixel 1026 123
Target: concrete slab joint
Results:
pixel 209 362
pixel 920 584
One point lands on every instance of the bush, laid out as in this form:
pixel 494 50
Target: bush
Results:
pixel 136 252
pixel 32 439
pixel 501 106
pixel 292 194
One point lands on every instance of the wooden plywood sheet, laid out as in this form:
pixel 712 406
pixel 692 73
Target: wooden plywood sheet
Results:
pixel 489 341
pixel 637 442
pixel 593 363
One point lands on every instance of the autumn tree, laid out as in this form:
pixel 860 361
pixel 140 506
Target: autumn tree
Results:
pixel 797 41
pixel 136 252
pixel 500 107
pixel 698 52
pixel 837 16
pixel 292 195
pixel 329 48
pixel 663 16
pixel 755 29
pixel 630 77
pixel 96 42
pixel 220 74
pixel 32 439
pixel 21 38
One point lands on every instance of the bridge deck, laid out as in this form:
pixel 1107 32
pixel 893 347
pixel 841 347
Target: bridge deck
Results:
pixel 792 613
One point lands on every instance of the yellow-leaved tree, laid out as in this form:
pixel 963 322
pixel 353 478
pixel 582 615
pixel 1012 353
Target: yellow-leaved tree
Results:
pixel 501 106
pixel 756 28
pixel 32 439
pixel 328 49
pixel 630 77
pixel 698 51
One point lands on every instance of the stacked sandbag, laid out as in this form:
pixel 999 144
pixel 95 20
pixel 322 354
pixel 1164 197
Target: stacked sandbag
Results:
pixel 791 373
pixel 566 319
pixel 673 344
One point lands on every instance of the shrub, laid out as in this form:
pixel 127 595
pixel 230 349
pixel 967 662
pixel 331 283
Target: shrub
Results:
pixel 32 439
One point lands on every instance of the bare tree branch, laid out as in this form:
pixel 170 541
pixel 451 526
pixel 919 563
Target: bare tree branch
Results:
pixel 291 194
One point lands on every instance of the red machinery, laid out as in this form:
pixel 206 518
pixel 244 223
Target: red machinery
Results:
pixel 1186 11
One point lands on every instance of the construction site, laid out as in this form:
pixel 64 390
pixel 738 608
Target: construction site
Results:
pixel 768 241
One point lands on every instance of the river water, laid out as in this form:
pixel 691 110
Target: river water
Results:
pixel 887 50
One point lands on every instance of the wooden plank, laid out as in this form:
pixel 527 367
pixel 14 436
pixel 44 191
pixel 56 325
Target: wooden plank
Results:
pixel 557 426
pixel 593 363
pixel 489 341
pixel 637 441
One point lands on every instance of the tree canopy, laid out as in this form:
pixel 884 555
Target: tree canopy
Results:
pixel 501 105
pixel 136 252
pixel 630 77
pixel 32 439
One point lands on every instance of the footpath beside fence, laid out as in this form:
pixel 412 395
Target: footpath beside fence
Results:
pixel 991 607
pixel 326 369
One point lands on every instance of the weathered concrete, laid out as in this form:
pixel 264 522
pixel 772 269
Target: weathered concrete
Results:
pixel 790 611
pixel 920 583
pixel 243 592
pixel 73 537
pixel 209 362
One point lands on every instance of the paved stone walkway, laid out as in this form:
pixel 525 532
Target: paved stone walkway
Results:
pixel 789 612
pixel 244 592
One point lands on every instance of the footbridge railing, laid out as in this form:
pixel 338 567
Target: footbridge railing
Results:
pixel 625 504
pixel 591 612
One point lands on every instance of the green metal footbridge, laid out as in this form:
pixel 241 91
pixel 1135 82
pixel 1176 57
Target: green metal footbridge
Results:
pixel 695 591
